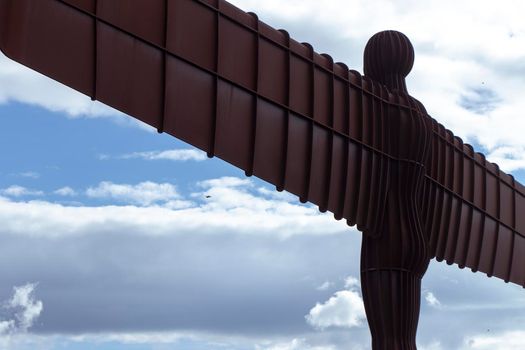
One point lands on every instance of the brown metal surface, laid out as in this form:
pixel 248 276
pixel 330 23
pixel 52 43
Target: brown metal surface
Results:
pixel 472 211
pixel 395 258
pixel 227 83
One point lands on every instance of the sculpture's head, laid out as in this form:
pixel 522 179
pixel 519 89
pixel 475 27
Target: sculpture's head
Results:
pixel 388 58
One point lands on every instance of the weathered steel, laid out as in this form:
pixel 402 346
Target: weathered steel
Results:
pixel 395 258
pixel 220 79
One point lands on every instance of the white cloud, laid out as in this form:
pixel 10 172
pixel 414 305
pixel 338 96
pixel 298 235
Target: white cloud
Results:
pixel 502 341
pixel 352 283
pixel 344 309
pixel 174 154
pixel 435 345
pixel 24 308
pixel 144 193
pixel 230 206
pixel 282 196
pixel 431 300
pixel 132 338
pixel 508 158
pixel 6 327
pixel 226 181
pixel 178 204
pixel 27 308
pixel 197 340
pixel 29 174
pixel 65 191
pixel 19 191
pixel 295 344
pixel 325 286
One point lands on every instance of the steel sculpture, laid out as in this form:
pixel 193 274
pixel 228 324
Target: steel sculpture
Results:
pixel 358 146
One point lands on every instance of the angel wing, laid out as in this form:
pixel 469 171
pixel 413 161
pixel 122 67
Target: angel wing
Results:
pixel 225 82
pixel 475 213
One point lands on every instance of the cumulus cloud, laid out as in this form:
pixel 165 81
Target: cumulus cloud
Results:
pixel 508 158
pixel 19 191
pixel 352 283
pixel 431 300
pixel 172 263
pixel 230 192
pixel 224 204
pixel 501 341
pixel 226 181
pixel 132 338
pixel 295 344
pixel 65 191
pixel 344 309
pixel 435 345
pixel 28 174
pixel 23 309
pixel 144 193
pixel 152 245
pixel 282 196
pixel 325 286
pixel 174 154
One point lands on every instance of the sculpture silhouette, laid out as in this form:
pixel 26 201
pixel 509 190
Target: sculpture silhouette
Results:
pixel 358 146
pixel 395 257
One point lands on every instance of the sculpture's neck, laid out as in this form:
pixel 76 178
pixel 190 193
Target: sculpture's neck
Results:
pixel 395 82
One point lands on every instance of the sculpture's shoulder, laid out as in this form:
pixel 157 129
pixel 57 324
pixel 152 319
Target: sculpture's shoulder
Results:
pixel 420 107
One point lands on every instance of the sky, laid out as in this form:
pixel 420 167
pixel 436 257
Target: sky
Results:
pixel 115 237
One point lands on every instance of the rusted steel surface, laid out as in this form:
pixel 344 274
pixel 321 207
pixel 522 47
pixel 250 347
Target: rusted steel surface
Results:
pixel 395 258
pixel 220 79
pixel 474 212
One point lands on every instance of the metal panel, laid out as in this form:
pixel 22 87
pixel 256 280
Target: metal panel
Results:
pixel 298 154
pixel 352 184
pixel 86 5
pixel 190 108
pixel 273 77
pixel 448 251
pixel 475 240
pixel 232 142
pixel 489 201
pixel 517 274
pixel 300 86
pixel 520 212
pixel 130 77
pixel 463 239
pixel 323 91
pixel 144 18
pixel 53 39
pixel 340 114
pixel 269 142
pixel 192 32
pixel 237 53
pixel 507 200
pixel 338 173
pixel 489 241
pixel 503 254
pixel 319 166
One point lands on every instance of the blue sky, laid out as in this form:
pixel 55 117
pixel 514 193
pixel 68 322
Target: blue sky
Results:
pixel 116 237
